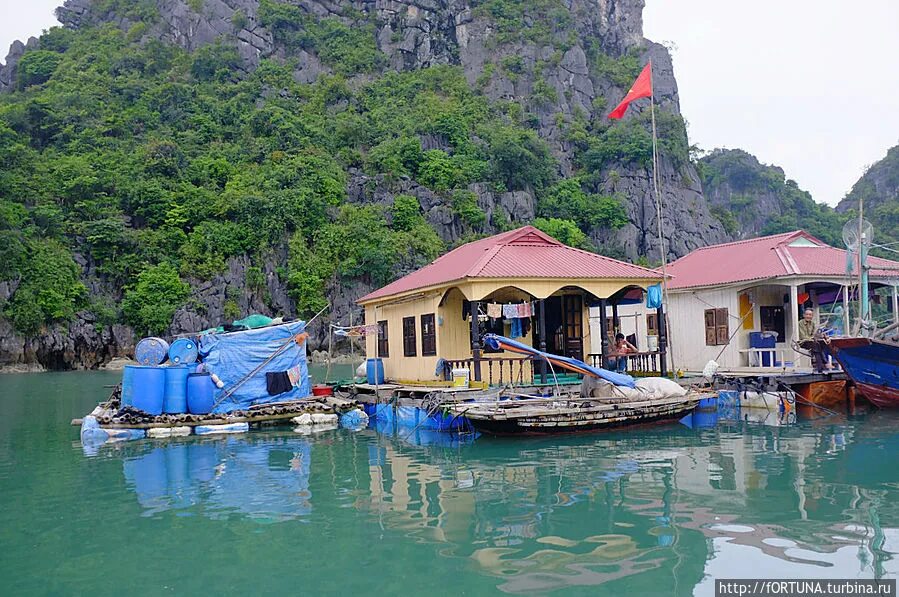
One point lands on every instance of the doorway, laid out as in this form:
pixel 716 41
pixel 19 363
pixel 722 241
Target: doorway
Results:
pixel 565 325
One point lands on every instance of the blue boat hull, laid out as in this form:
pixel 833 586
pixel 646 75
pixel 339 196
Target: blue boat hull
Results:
pixel 873 366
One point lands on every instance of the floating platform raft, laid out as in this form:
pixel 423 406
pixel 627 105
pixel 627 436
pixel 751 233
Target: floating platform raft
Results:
pixel 109 414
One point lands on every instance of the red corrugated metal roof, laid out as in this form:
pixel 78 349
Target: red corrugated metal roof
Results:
pixel 522 253
pixel 765 257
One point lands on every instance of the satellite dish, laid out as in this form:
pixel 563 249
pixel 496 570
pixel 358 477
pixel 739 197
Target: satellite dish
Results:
pixel 851 236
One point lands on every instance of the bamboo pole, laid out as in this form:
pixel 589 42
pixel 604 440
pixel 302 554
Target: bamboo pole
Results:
pixel 658 198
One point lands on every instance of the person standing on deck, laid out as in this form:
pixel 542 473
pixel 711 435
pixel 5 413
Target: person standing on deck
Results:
pixel 810 340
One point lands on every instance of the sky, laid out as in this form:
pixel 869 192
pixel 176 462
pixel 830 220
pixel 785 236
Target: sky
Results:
pixel 809 85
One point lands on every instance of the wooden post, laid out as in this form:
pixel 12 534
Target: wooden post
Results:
pixel 846 319
pixel 475 341
pixel 663 341
pixel 330 335
pixel 603 333
pixel 616 323
pixel 895 303
pixel 542 330
pixel 794 322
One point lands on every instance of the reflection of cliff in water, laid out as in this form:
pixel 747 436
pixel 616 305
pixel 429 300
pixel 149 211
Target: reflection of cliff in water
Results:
pixel 549 513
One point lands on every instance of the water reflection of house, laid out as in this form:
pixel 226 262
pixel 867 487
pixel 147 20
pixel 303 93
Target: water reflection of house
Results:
pixel 426 315
pixel 755 285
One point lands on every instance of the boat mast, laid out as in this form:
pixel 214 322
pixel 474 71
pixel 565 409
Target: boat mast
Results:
pixel 863 314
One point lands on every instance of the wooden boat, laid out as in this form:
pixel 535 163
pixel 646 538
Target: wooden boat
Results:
pixel 873 365
pixel 570 414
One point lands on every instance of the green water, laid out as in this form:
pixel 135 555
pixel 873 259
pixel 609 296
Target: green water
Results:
pixel 662 510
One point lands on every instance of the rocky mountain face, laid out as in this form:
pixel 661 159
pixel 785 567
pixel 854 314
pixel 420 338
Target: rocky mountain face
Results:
pixel 415 34
pixel 753 199
pixel 742 191
pixel 879 187
pixel 560 60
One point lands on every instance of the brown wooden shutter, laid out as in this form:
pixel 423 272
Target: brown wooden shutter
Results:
pixel 383 343
pixel 428 335
pixel 409 341
pixel 722 329
pixel 710 330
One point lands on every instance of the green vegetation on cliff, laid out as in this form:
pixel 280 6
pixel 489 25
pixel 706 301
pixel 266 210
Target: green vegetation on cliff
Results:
pixel 137 169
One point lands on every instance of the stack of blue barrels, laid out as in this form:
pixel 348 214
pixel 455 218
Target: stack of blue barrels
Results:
pixel 173 389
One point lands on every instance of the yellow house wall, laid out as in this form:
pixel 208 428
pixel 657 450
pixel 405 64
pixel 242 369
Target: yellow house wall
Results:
pixel 397 366
pixel 453 333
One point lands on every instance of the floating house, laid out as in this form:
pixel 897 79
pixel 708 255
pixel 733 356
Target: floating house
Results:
pixel 739 303
pixel 522 284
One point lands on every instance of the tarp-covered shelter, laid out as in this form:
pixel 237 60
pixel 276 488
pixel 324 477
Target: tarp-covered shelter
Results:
pixel 242 360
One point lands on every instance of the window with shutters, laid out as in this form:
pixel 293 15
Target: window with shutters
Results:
pixel 409 337
pixel 428 336
pixel 652 328
pixel 383 345
pixel 717 331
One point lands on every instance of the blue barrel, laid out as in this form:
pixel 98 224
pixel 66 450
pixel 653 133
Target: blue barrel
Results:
pixel 151 351
pixel 200 393
pixel 183 351
pixel 175 389
pixel 374 371
pixel 143 388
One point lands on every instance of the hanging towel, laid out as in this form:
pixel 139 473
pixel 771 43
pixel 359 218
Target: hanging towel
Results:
pixel 524 310
pixel 516 328
pixel 654 296
pixel 510 311
pixel 294 375
pixel 277 382
pixel 494 310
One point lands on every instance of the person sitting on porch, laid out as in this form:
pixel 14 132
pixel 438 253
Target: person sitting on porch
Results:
pixel 811 340
pixel 618 359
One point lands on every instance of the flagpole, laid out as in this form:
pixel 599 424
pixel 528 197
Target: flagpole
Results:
pixel 658 200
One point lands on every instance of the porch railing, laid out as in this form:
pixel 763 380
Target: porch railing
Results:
pixel 638 363
pixel 499 370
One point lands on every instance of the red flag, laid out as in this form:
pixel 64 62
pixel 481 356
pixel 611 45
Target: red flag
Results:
pixel 642 87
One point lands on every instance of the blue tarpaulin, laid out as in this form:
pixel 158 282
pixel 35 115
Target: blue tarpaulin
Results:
pixel 234 355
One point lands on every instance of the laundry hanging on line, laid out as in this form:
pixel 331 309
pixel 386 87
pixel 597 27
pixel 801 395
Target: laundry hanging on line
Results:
pixel 354 331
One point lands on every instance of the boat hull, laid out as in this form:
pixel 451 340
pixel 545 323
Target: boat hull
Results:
pixel 873 366
pixel 572 421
